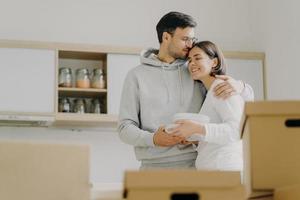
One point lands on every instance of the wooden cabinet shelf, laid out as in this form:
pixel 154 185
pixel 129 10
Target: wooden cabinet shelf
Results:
pixel 81 92
pixel 84 120
pixel 76 61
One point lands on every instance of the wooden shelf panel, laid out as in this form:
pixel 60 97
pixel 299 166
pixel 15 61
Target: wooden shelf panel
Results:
pixel 85 120
pixel 81 92
pixel 81 55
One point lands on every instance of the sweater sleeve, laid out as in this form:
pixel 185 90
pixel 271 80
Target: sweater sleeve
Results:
pixel 247 94
pixel 230 112
pixel 129 122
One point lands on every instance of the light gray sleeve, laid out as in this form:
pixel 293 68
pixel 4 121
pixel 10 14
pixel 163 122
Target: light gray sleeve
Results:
pixel 129 121
pixel 247 94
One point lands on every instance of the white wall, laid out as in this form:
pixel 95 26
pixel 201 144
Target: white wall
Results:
pixel 276 31
pixel 120 22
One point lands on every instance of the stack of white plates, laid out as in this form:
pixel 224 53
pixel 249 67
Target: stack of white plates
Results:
pixel 188 116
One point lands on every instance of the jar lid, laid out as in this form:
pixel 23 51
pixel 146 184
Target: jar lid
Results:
pixel 64 100
pixel 82 70
pixel 98 71
pixel 65 69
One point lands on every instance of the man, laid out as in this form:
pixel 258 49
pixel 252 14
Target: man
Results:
pixel 160 87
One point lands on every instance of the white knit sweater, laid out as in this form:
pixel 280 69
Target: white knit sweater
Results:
pixel 221 148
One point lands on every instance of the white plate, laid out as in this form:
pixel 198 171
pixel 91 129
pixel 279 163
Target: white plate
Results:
pixel 191 116
pixel 194 117
pixel 169 126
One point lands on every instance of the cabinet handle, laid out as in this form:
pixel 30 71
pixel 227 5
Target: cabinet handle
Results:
pixel 292 123
pixel 185 196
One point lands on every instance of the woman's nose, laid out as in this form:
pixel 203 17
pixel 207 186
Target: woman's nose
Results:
pixel 191 63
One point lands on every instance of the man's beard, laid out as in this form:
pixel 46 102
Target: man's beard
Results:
pixel 178 55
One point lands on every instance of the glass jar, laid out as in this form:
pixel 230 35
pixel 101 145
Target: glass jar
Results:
pixel 82 78
pixel 98 80
pixel 64 105
pixel 65 77
pixel 79 106
pixel 96 108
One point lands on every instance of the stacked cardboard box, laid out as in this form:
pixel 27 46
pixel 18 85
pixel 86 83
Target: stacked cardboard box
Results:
pixel 271 140
pixel 183 184
pixel 34 171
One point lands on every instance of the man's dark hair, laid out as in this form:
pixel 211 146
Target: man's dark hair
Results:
pixel 171 21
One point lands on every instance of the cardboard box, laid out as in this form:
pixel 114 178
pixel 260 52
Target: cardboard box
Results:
pixel 287 193
pixel 183 184
pixel 35 171
pixel 262 196
pixel 271 141
pixel 268 197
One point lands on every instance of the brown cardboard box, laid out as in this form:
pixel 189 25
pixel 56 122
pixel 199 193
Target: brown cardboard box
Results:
pixel 271 140
pixel 268 197
pixel 183 184
pixel 35 171
pixel 261 196
pixel 287 193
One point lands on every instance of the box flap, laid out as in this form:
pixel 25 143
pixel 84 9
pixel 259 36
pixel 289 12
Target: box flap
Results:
pixel 258 195
pixel 180 178
pixel 269 108
pixel 272 108
pixel 243 123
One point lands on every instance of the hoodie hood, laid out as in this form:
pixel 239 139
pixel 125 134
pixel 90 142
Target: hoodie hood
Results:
pixel 149 57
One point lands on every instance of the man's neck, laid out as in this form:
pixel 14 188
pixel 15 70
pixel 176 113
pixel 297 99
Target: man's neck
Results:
pixel 165 57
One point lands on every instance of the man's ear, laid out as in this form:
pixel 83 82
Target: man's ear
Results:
pixel 166 36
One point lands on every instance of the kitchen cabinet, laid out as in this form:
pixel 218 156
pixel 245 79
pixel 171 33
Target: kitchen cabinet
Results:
pixel 27 79
pixel 30 80
pixel 77 91
pixel 115 67
pixel 82 88
pixel 114 62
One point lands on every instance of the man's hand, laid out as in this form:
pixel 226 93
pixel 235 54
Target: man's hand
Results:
pixel 163 139
pixel 228 88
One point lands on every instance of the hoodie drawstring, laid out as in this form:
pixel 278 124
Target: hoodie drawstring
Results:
pixel 181 86
pixel 166 84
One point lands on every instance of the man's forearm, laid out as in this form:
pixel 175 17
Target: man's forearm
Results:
pixel 131 134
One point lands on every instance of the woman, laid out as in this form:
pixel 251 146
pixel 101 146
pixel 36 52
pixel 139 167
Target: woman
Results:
pixel 219 146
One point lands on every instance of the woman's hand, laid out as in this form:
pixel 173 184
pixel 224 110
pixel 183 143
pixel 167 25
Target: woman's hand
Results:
pixel 186 128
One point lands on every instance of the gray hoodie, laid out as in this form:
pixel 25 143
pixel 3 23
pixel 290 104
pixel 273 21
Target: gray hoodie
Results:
pixel 152 93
